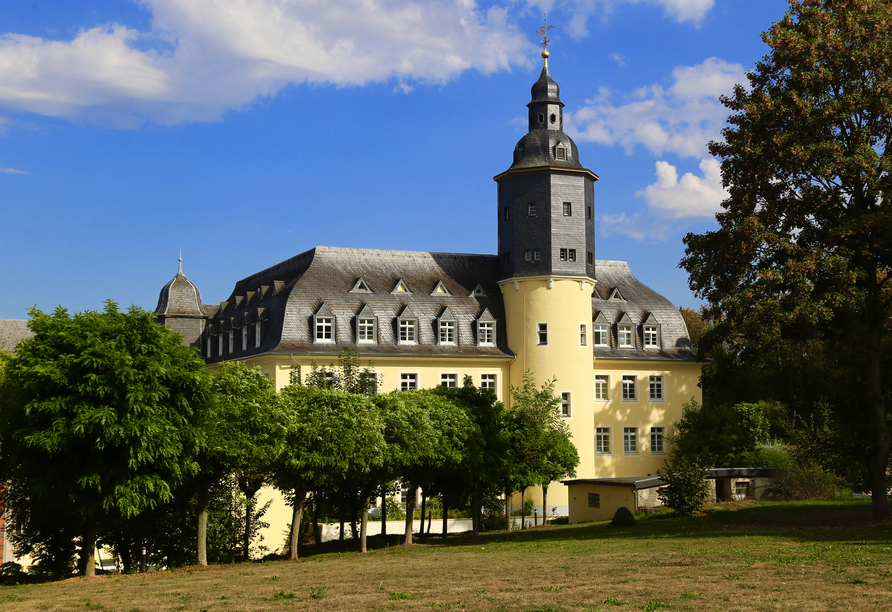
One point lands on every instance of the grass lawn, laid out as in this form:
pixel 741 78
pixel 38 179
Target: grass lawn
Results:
pixel 742 556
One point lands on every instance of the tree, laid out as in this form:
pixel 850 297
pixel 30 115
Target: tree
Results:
pixel 330 434
pixel 95 419
pixel 804 247
pixel 717 435
pixel 243 434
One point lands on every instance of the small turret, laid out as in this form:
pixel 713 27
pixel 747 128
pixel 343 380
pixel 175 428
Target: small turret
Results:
pixel 179 308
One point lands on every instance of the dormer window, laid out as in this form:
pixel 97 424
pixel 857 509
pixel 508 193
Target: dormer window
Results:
pixel 401 287
pixel 440 289
pixel 478 291
pixel 324 325
pixel 360 286
pixel 446 324
pixel 365 326
pixel 486 329
pixel 651 332
pixel 560 152
pixel 624 336
pixel 407 327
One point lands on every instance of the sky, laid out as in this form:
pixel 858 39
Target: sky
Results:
pixel 244 132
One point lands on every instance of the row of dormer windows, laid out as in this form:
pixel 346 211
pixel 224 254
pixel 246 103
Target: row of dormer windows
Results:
pixel 625 338
pixel 407 330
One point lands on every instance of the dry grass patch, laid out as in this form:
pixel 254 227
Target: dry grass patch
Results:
pixel 745 556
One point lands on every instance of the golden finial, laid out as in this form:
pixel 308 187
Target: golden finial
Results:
pixel 543 32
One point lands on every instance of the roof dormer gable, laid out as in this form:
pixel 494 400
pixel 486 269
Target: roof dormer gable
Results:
pixel 360 286
pixel 440 289
pixel 401 288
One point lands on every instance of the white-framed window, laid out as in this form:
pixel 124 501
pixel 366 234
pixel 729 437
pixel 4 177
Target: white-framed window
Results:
pixel 230 341
pixel 602 387
pixel 571 254
pixel 488 381
pixel 657 439
pixel 365 330
pixel 624 336
pixel 629 394
pixel 531 209
pixel 600 335
pixel 651 336
pixel 447 332
pixel 566 404
pixel 656 389
pixel 583 334
pixel 630 440
pixel 541 333
pixel 602 440
pixel 485 333
pixel 568 209
pixel 528 254
pixel 537 255
pixel 258 327
pixel 407 331
pixel 563 254
pixel 408 380
pixel 244 337
pixel 220 345
pixel 324 328
pixel 449 380
pixel 208 353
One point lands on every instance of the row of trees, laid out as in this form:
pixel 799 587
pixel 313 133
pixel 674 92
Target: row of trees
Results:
pixel 111 431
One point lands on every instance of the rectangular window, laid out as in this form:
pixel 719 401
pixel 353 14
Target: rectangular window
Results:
pixel 542 334
pixel 589 212
pixel 628 388
pixel 208 354
pixel 594 500
pixel 583 334
pixel 447 332
pixel 244 337
pixel 323 329
pixel 656 388
pixel 506 258
pixel 365 331
pixel 571 254
pixel 408 381
pixel 537 255
pixel 600 333
pixel 657 435
pixel 328 378
pixel 602 440
pixel 624 334
pixel 565 404
pixel 488 381
pixel 630 439
pixel 602 387
pixel 407 331
pixel 449 380
pixel 220 345
pixel 651 337
pixel 528 255
pixel 590 257
pixel 368 382
pixel 257 334
pixel 531 209
pixel 563 254
pixel 568 209
pixel 229 344
pixel 505 213
pixel 485 333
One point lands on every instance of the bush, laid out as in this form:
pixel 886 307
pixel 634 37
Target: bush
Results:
pixel 687 490
pixel 803 480
pixel 774 454
pixel 623 518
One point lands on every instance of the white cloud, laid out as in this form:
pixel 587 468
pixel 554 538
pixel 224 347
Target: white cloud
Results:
pixel 681 11
pixel 634 226
pixel 689 197
pixel 619 59
pixel 205 56
pixel 12 171
pixel 679 119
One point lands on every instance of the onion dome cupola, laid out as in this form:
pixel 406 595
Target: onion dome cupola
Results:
pixel 179 308
pixel 546 197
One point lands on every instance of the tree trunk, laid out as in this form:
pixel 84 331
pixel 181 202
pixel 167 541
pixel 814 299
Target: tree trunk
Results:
pixel 384 512
pixel 523 509
pixel 475 513
pixel 410 513
pixel 544 505
pixel 445 515
pixel 249 488
pixel 300 497
pixel 88 548
pixel 880 461
pixel 125 550
pixel 423 507
pixel 507 510
pixel 430 517
pixel 364 522
pixel 204 499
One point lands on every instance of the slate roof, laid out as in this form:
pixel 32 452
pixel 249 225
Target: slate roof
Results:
pixel 13 331
pixel 619 294
pixel 180 298
pixel 288 294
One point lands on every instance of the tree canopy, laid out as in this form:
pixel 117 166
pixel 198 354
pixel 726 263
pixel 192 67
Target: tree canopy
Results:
pixel 804 247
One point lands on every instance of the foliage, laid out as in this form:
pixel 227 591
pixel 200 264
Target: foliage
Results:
pixel 718 435
pixel 803 249
pixel 346 376
pixel 773 454
pixel 803 480
pixel 623 517
pixel 687 490
pixel 96 420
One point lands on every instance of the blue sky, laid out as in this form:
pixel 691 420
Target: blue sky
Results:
pixel 247 131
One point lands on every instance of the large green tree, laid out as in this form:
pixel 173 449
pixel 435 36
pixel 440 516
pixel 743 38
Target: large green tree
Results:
pixel 804 247
pixel 96 421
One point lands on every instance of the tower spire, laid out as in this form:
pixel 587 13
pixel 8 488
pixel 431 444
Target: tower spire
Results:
pixel 543 32
pixel 180 271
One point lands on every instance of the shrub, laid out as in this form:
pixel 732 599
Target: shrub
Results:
pixel 623 518
pixel 687 490
pixel 803 480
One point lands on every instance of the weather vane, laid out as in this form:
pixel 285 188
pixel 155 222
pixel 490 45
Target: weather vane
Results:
pixel 543 31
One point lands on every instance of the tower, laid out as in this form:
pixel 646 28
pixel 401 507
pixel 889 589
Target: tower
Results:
pixel 547 263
